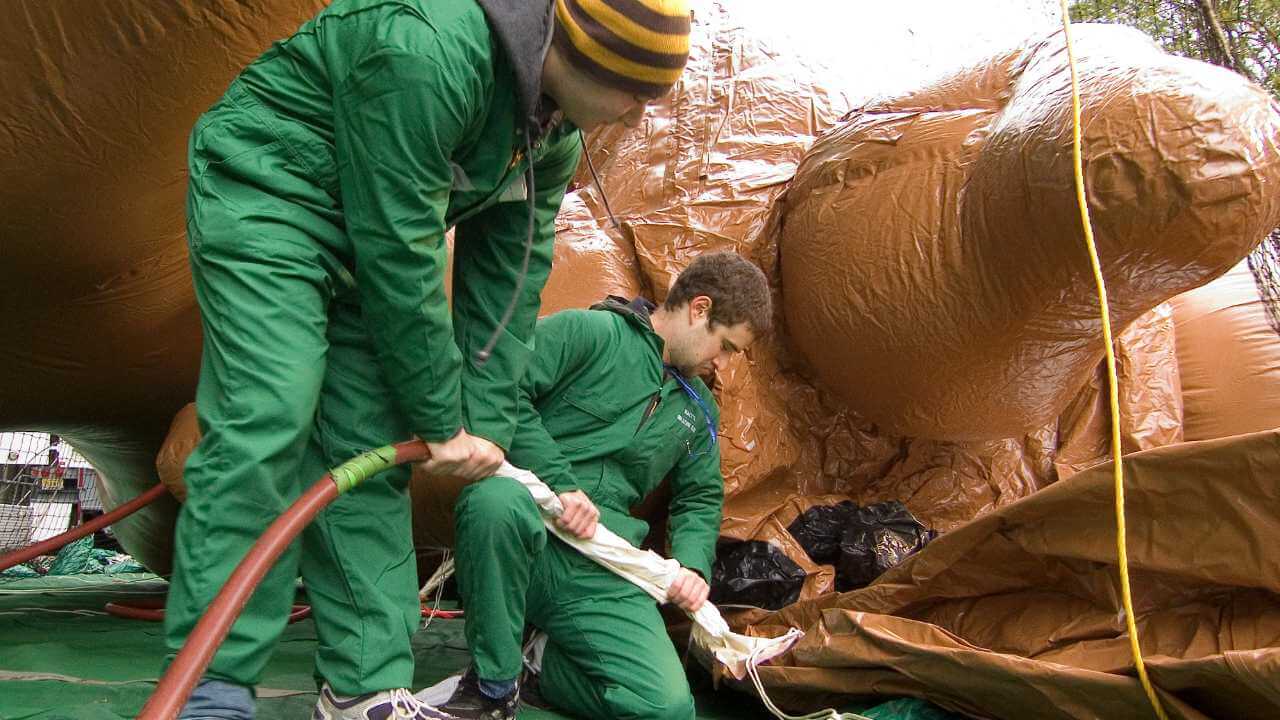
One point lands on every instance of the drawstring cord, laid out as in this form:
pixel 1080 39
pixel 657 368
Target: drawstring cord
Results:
pixel 596 179
pixel 482 357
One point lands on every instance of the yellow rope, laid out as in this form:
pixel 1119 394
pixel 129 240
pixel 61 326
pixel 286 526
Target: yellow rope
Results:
pixel 1112 383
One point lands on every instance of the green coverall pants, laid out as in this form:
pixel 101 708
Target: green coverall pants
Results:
pixel 289 386
pixel 608 654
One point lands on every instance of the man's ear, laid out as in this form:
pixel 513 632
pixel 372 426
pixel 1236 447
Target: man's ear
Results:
pixel 700 307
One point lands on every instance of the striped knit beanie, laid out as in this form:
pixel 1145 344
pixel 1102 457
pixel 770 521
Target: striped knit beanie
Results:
pixel 638 46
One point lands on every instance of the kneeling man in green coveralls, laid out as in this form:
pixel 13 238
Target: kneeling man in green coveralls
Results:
pixel 611 406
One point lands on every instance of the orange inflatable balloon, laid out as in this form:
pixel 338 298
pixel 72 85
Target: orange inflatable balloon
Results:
pixel 933 263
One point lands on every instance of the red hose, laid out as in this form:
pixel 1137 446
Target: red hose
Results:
pixel 152 610
pixel 45 547
pixel 175 686
pixel 443 614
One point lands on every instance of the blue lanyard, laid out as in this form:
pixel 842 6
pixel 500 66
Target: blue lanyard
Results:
pixel 706 411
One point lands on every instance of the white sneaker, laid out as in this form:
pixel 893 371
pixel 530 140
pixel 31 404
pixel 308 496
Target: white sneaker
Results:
pixel 384 705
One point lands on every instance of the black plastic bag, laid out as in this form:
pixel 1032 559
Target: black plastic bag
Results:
pixel 819 529
pixel 877 538
pixel 755 573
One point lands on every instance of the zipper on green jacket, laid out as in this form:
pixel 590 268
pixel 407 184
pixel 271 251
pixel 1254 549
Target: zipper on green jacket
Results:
pixel 653 402
pixel 501 187
pixel 648 411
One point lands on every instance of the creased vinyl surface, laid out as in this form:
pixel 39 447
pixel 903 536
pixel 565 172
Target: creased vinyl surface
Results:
pixel 932 259
pixel 1151 405
pixel 1229 357
pixel 1017 614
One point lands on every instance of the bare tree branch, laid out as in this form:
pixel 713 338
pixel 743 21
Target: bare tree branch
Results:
pixel 1218 39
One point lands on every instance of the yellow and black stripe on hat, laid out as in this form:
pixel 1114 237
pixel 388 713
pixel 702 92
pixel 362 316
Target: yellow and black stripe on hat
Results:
pixel 639 46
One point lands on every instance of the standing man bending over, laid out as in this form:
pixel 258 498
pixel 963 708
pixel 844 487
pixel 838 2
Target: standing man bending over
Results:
pixel 321 187
pixel 611 406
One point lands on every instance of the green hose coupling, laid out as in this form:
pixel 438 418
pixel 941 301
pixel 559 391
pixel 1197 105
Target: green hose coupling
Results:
pixel 361 467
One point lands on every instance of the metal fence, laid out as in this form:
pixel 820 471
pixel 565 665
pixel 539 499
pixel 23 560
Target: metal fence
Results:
pixel 45 488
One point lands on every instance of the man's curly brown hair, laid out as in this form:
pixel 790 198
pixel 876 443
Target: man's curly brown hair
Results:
pixel 738 290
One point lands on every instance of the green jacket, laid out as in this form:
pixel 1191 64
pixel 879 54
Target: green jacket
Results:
pixel 598 412
pixel 414 115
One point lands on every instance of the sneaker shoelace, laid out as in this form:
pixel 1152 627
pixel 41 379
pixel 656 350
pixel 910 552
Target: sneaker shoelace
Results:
pixel 404 703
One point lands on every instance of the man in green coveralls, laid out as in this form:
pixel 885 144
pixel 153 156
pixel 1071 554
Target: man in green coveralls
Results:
pixel 610 407
pixel 321 187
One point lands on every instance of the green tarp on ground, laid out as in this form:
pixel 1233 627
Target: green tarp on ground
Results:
pixel 77 558
pixel 63 658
